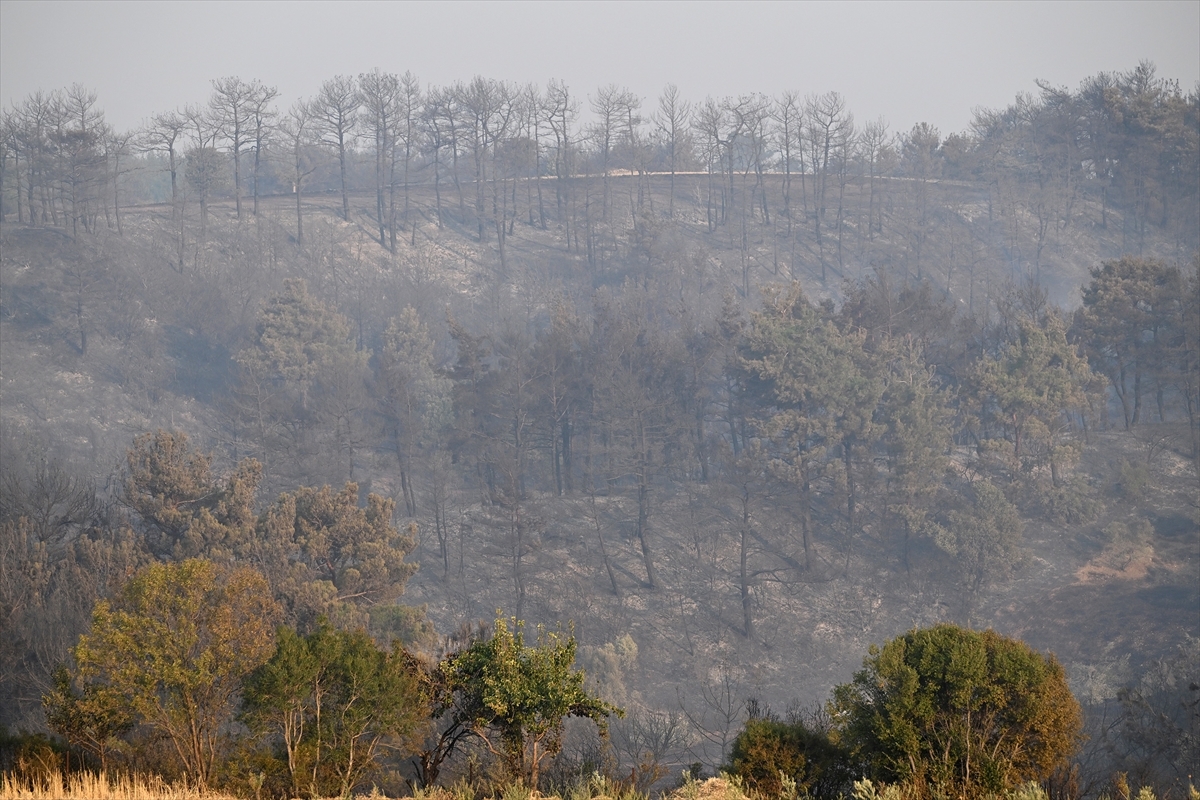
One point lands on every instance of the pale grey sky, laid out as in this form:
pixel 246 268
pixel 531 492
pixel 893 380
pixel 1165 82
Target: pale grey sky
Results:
pixel 907 62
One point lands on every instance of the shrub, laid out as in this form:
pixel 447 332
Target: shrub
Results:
pixel 951 711
pixel 1133 480
pixel 769 751
pixel 1070 503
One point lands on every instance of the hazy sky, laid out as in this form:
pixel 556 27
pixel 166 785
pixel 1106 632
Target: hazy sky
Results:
pixel 907 62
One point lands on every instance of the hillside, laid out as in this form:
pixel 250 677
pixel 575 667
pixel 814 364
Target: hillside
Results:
pixel 106 336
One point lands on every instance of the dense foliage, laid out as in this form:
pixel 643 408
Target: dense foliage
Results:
pixel 954 712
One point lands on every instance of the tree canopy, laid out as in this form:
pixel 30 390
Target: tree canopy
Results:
pixel 956 711
pixel 514 697
pixel 171 652
pixel 330 702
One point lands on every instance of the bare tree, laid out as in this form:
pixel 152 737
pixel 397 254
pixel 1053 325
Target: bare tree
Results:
pixel 672 121
pixel 78 150
pixel 407 130
pixel 788 114
pixel 489 116
pixel 921 160
pixel 827 126
pixel 436 137
pixel 34 123
pixel 380 93
pixel 873 149
pixel 163 134
pixel 298 129
pixel 534 106
pixel 117 145
pixel 561 114
pixel 335 109
pixel 262 120
pixel 616 111
pixel 709 122
pixel 231 108
pixel 203 164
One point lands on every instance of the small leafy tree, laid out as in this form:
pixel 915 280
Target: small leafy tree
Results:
pixel 331 702
pixel 955 712
pixel 187 511
pixel 171 652
pixel 984 538
pixel 1027 394
pixel 91 718
pixel 514 697
pixel 327 555
pixel 769 752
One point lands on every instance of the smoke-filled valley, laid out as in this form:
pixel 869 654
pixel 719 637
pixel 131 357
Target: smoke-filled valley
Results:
pixel 730 389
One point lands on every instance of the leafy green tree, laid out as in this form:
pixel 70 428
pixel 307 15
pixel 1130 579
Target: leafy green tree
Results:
pixel 91 718
pixel 514 698
pixel 985 538
pixel 770 750
pixel 820 390
pixel 1027 394
pixel 332 702
pixel 916 439
pixel 301 377
pixel 414 398
pixel 188 511
pixel 953 712
pixel 171 652
pixel 1125 324
pixel 324 554
pixel 297 336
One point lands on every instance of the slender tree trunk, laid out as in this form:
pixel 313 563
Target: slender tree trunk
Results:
pixel 342 170
pixel 743 571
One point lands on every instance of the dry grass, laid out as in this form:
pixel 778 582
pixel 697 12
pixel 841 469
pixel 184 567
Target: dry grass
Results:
pixel 90 786
pixel 719 788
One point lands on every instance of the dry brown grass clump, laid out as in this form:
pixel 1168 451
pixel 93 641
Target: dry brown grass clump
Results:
pixel 92 786
pixel 719 788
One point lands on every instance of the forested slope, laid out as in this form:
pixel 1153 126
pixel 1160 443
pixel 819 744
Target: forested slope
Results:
pixel 735 388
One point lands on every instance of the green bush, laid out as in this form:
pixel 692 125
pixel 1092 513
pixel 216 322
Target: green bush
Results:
pixel 1133 480
pixel 769 751
pixel 1071 503
pixel 955 712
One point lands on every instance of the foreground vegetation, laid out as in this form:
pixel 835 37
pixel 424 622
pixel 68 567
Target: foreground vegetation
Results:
pixel 87 786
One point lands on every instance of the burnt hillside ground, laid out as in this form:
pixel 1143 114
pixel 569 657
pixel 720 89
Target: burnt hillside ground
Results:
pixel 160 337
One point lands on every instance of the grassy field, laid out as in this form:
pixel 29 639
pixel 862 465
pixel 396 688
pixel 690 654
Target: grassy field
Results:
pixel 90 786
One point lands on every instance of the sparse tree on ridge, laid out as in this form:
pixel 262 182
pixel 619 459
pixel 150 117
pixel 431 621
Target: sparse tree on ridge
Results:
pixel 673 122
pixel 336 107
pixel 298 130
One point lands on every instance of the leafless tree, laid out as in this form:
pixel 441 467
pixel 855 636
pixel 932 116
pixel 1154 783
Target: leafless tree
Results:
pixel 380 93
pixel 873 149
pixel 79 155
pixel 335 109
pixel 164 134
pixel 561 114
pixel 673 121
pixel 117 145
pixel 788 115
pixel 709 122
pixel 262 121
pixel 828 125
pixel 298 129
pixel 203 164
pixel 615 126
pixel 407 131
pixel 231 108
